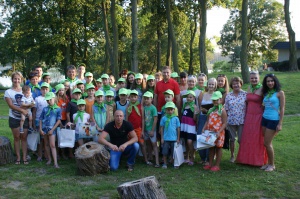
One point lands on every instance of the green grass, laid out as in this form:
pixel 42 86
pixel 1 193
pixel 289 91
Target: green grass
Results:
pixel 37 180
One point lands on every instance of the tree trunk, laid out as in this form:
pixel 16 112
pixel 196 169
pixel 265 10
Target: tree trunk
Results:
pixel 158 56
pixel 193 29
pixel 6 151
pixel 115 66
pixel 146 188
pixel 92 159
pixel 109 53
pixel 169 51
pixel 202 47
pixel 134 28
pixel 292 38
pixel 244 36
pixel 173 38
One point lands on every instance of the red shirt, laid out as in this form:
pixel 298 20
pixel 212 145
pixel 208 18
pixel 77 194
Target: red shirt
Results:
pixel 161 87
pixel 135 119
pixel 63 105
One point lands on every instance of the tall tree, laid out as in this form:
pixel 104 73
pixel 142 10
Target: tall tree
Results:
pixel 292 38
pixel 134 28
pixel 115 65
pixel 244 36
pixel 203 21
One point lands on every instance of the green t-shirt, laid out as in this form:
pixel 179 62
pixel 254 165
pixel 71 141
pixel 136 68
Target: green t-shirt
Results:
pixel 149 112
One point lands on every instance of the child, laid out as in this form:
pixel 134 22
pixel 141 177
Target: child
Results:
pixel 122 103
pixel 110 105
pixel 188 124
pixel 175 76
pixel 150 114
pixel 112 81
pixel 46 78
pixel 135 117
pixel 99 111
pixel 49 121
pixel 40 104
pixel 72 106
pixel 62 101
pixel 80 85
pixel 169 95
pixel 216 122
pixel 106 87
pixel 202 82
pixel 139 85
pixel 98 84
pixel 27 102
pixel 170 132
pixel 34 85
pixel 90 98
pixel 88 79
pixel 150 83
pixel 121 84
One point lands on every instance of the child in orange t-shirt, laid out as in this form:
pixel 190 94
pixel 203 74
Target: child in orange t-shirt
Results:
pixel 62 101
pixel 90 89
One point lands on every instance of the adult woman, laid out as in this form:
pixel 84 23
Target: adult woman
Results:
pixel 202 82
pixel 274 102
pixel 205 103
pixel 235 105
pixel 13 98
pixel 129 80
pixel 183 83
pixel 252 150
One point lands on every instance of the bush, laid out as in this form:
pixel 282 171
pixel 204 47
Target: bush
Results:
pixel 283 66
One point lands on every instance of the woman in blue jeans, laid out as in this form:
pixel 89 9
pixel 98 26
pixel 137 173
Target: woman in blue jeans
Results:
pixel 205 104
pixel 119 130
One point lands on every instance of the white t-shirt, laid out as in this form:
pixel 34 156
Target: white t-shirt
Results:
pixel 16 100
pixel 40 104
pixel 86 118
pixel 27 100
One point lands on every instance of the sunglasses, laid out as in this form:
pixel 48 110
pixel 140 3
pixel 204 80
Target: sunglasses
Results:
pixel 269 75
pixel 202 75
pixel 221 75
pixel 192 76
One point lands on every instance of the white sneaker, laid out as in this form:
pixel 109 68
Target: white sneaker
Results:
pixel 232 159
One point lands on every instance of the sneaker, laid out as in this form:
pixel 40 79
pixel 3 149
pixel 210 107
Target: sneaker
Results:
pixel 264 167
pixel 164 166
pixel 28 157
pixel 270 168
pixel 130 167
pixel 232 159
pixel 30 130
pixel 149 163
pixel 176 167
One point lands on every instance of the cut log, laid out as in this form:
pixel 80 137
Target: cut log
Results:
pixel 146 188
pixel 6 151
pixel 92 159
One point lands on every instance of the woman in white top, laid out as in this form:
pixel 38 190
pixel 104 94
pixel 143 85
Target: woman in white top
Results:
pixel 205 103
pixel 13 98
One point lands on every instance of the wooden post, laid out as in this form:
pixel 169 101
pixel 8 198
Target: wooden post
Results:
pixel 146 188
pixel 92 159
pixel 6 151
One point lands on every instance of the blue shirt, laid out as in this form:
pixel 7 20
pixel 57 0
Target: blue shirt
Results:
pixel 272 104
pixel 100 116
pixel 50 120
pixel 170 133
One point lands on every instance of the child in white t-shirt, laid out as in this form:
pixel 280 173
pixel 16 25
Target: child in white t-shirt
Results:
pixel 27 101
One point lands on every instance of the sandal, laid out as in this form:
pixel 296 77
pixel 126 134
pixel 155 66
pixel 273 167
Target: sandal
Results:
pixel 25 162
pixel 17 162
pixel 157 166
pixel 215 168
pixel 264 167
pixel 149 163
pixel 207 167
pixel 56 166
pixel 270 168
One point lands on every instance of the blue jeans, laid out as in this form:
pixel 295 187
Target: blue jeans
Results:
pixel 115 156
pixel 204 152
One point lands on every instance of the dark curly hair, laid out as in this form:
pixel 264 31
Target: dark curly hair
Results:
pixel 277 85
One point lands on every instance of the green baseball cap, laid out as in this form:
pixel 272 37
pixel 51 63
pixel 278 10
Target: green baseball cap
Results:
pixel 81 101
pixel 49 96
pixel 45 74
pixel 45 84
pixel 174 75
pixel 104 76
pixel 121 79
pixel 99 80
pixel 150 77
pixel 58 87
pixel 79 82
pixel 98 93
pixel 89 86
pixel 63 81
pixel 170 105
pixel 123 91
pixel 189 92
pixel 138 76
pixel 88 74
pixel 170 92
pixel 148 94
pixel 134 92
pixel 216 95
pixel 76 90
pixel 109 93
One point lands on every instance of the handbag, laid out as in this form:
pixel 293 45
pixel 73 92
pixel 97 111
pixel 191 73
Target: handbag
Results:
pixel 178 155
pixel 65 137
pixel 32 140
pixel 86 130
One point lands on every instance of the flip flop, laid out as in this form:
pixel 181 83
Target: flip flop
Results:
pixel 17 162
pixel 25 162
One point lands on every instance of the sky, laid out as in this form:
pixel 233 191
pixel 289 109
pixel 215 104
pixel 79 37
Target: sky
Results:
pixel 217 17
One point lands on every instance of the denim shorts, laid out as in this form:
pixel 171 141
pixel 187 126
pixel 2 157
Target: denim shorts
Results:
pixel 47 129
pixel 15 123
pixel 269 124
pixel 168 146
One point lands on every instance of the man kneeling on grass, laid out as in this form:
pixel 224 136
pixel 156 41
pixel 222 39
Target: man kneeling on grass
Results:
pixel 119 130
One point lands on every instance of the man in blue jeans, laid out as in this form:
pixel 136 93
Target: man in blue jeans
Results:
pixel 119 130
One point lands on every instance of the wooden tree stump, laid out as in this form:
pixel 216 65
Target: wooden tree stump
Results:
pixel 6 151
pixel 92 159
pixel 146 188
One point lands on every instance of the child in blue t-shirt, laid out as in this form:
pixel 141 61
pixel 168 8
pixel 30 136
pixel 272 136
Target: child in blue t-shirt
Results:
pixel 170 131
pixel 49 121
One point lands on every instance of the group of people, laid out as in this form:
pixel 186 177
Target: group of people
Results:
pixel 149 113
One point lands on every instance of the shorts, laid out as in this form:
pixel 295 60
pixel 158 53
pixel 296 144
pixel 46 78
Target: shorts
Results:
pixel 47 129
pixel 235 130
pixel 15 123
pixel 147 136
pixel 168 145
pixel 138 133
pixel 188 136
pixel 269 124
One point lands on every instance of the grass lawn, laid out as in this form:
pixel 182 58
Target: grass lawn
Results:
pixel 37 180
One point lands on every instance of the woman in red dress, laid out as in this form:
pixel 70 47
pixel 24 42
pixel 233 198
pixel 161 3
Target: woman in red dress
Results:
pixel 252 150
